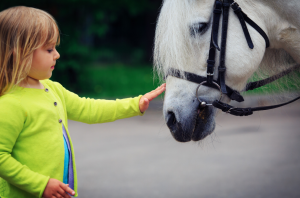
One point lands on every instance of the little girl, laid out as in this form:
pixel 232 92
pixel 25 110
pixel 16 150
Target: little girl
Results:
pixel 36 152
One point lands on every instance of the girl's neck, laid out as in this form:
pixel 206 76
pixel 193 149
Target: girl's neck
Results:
pixel 32 83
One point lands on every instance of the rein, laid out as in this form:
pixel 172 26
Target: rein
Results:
pixel 219 84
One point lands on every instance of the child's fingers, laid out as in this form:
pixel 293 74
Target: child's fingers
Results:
pixel 158 90
pixel 67 189
pixel 59 196
pixel 146 102
pixel 159 87
pixel 163 85
pixel 63 193
pixel 153 94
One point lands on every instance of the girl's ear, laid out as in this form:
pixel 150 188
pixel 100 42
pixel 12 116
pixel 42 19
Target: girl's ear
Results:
pixel 15 51
pixel 14 54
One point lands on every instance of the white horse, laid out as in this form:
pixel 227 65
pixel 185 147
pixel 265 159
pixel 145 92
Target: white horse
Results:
pixel 182 42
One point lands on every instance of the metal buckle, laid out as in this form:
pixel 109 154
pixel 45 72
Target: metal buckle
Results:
pixel 202 103
pixel 210 74
pixel 229 110
pixel 234 3
pixel 237 6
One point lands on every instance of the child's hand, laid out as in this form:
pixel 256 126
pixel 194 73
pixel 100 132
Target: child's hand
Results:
pixel 145 99
pixel 57 189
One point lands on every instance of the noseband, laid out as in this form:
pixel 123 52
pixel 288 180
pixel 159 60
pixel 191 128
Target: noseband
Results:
pixel 219 84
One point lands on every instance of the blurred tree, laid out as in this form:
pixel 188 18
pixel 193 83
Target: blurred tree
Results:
pixel 94 31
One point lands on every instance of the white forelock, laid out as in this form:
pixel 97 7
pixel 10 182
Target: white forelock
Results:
pixel 173 46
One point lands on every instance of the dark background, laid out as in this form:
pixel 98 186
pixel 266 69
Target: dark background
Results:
pixel 106 46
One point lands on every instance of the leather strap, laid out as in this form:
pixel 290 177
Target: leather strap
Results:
pixel 257 28
pixel 222 67
pixel 246 111
pixel 216 22
pixel 257 84
pixel 245 17
pixel 238 11
pixel 231 93
pixel 211 65
pixel 232 110
pixel 214 42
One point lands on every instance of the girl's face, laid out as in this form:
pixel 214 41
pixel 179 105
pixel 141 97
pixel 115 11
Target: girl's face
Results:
pixel 43 62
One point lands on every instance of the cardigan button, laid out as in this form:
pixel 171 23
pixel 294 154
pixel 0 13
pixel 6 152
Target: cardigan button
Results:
pixel 55 103
pixel 60 120
pixel 46 90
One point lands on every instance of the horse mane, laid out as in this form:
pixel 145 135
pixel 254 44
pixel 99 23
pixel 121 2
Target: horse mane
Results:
pixel 174 46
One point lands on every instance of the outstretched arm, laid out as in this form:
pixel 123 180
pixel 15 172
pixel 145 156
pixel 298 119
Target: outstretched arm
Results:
pixel 93 111
pixel 145 99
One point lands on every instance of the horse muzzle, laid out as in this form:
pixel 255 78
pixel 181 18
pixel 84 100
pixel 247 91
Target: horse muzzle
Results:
pixel 190 123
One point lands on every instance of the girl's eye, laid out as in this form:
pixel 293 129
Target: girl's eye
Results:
pixel 50 50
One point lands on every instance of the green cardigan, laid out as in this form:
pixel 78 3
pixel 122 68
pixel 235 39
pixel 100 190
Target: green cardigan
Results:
pixel 31 137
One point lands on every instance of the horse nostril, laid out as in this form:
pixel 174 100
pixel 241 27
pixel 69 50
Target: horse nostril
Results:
pixel 171 120
pixel 176 128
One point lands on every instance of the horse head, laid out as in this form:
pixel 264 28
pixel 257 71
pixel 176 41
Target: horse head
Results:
pixel 182 42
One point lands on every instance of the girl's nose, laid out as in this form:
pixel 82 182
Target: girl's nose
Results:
pixel 57 55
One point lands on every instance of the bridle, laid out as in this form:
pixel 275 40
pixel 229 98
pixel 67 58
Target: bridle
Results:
pixel 223 6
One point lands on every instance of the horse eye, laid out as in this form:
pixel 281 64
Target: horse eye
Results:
pixel 198 28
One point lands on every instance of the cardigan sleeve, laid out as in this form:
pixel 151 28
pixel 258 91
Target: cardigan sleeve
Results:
pixel 12 118
pixel 93 111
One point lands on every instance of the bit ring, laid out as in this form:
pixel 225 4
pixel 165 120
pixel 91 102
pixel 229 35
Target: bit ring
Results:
pixel 202 103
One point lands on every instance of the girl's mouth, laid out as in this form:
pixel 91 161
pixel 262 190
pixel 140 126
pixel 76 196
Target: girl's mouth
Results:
pixel 52 67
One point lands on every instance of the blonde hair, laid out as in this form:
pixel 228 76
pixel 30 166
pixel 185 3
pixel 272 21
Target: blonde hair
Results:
pixel 22 30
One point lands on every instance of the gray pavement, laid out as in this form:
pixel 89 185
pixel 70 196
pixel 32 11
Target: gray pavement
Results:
pixel 253 157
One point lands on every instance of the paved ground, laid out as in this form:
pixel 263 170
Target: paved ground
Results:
pixel 254 157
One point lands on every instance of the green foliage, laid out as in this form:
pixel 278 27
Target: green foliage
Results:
pixel 116 81
pixel 286 84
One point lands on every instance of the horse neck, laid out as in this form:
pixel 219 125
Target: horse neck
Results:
pixel 287 10
pixel 281 21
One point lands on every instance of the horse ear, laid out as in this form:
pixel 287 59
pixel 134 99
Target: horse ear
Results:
pixel 287 33
pixel 289 39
